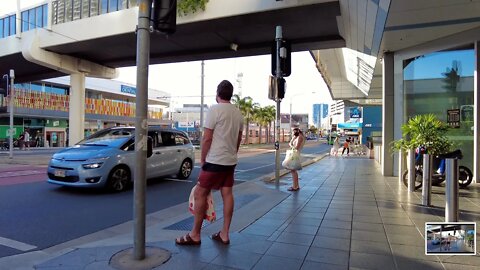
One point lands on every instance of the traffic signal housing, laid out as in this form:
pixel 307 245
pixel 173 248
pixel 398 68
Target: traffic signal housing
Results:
pixel 164 16
pixel 285 53
pixel 276 88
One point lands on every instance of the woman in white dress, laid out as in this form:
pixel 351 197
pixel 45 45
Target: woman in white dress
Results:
pixel 335 147
pixel 297 142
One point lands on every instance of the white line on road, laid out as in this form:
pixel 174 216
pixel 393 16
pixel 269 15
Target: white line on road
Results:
pixel 15 244
pixel 253 169
pixel 177 180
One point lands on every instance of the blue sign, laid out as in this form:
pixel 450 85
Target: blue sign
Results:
pixel 355 112
pixel 128 89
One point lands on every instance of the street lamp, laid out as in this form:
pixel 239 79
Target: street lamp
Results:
pixel 12 98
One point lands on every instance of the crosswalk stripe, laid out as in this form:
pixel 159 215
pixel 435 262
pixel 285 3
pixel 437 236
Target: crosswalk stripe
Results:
pixel 15 244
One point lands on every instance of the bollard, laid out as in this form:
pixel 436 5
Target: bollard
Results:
pixel 411 170
pixel 401 165
pixel 427 180
pixel 451 190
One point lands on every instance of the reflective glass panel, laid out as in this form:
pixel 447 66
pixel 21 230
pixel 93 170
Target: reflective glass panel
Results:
pixel 6 27
pixel 441 81
pixel 103 6
pixel 1 28
pixel 45 15
pixel 31 19
pixel 25 21
pixel 39 17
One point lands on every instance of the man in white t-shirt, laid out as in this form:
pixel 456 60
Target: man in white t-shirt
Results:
pixel 220 143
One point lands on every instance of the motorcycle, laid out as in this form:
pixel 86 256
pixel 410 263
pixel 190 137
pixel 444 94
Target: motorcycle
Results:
pixel 465 175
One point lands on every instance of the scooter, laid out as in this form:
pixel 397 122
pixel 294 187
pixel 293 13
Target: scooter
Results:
pixel 465 175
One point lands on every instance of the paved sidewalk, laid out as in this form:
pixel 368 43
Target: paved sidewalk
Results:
pixel 345 216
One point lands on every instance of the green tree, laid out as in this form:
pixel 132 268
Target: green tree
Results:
pixel 262 118
pixel 271 115
pixel 247 107
pixel 184 7
pixel 424 130
pixel 452 78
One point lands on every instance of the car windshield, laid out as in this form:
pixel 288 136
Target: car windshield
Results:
pixel 108 137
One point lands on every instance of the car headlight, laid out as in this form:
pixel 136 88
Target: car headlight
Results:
pixel 95 165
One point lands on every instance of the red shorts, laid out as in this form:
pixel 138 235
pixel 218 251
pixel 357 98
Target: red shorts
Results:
pixel 214 178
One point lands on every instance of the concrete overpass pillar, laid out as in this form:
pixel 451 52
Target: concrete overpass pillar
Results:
pixel 387 114
pixel 76 114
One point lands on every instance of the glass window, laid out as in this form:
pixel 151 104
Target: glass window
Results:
pixel 440 81
pixel 103 6
pixel 1 28
pixel 68 10
pixel 13 25
pixel 85 8
pixel 181 139
pixel 123 4
pixel 168 138
pixel 45 15
pixel 6 27
pixel 31 19
pixel 77 9
pixel 24 21
pixel 38 17
pixel 112 5
pixel 94 7
pixel 132 3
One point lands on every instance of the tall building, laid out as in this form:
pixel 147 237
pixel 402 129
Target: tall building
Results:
pixel 320 115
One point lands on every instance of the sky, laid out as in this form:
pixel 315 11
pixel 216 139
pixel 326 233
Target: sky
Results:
pixel 305 85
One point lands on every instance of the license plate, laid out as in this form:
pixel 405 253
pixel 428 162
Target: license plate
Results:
pixel 59 173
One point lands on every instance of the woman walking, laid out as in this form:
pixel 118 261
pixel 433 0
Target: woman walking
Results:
pixel 297 143
pixel 335 147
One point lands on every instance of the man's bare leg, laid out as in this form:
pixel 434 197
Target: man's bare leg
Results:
pixel 228 203
pixel 200 196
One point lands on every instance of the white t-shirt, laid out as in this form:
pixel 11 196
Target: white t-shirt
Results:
pixel 26 136
pixel 226 121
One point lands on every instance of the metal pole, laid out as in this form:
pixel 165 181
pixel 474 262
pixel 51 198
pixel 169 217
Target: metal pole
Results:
pixel 411 170
pixel 451 190
pixel 290 122
pixel 12 105
pixel 278 73
pixel 202 89
pixel 143 58
pixel 427 180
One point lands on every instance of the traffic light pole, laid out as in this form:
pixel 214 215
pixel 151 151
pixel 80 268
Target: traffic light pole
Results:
pixel 141 104
pixel 278 74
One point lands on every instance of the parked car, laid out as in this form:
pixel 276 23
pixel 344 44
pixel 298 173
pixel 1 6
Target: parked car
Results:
pixel 107 158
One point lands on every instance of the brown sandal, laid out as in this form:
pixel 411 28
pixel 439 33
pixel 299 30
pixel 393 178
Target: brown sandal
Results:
pixel 293 189
pixel 216 237
pixel 186 240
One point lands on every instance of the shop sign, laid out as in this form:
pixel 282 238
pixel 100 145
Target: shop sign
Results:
pixel 453 118
pixel 128 89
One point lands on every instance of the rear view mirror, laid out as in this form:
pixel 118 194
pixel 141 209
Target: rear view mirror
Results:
pixel 149 146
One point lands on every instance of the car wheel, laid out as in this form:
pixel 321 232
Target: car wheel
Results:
pixel 185 169
pixel 118 179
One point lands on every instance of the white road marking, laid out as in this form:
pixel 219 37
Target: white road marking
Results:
pixel 20 173
pixel 252 169
pixel 15 244
pixel 177 180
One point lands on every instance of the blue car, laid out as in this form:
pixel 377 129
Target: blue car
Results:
pixel 106 159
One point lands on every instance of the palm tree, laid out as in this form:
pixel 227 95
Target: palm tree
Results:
pixel 247 107
pixel 262 118
pixel 271 116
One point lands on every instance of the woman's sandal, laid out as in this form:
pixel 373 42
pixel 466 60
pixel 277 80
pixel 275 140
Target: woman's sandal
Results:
pixel 186 240
pixel 293 189
pixel 216 237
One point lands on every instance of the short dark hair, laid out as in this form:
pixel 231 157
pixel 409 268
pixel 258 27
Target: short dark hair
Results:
pixel 225 90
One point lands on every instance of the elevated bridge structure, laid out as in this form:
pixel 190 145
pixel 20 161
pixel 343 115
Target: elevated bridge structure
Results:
pixel 360 47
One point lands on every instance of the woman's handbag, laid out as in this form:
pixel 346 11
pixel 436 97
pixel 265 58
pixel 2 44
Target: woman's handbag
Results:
pixel 292 160
pixel 210 214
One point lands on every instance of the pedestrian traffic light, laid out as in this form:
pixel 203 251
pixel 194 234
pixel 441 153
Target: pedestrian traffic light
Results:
pixel 276 88
pixel 284 52
pixel 164 16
